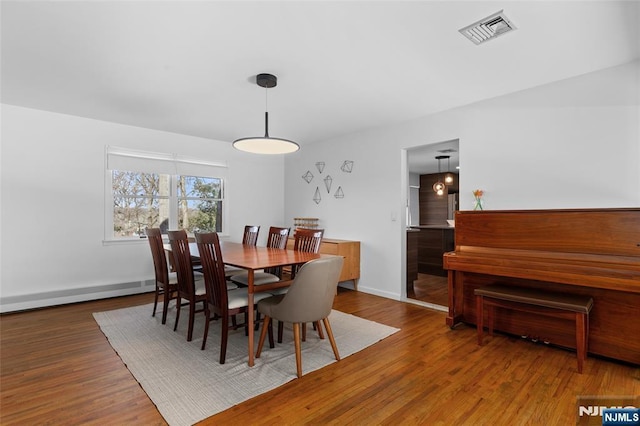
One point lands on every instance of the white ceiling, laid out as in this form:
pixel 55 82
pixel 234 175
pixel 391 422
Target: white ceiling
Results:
pixel 344 66
pixel 422 160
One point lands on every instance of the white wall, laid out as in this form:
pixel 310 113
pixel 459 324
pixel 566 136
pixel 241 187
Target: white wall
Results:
pixel 52 203
pixel 370 210
pixel 574 143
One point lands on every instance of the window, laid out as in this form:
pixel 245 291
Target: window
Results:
pixel 200 203
pixel 140 201
pixel 151 190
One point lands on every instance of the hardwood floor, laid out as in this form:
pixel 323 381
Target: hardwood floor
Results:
pixel 58 368
pixel 431 289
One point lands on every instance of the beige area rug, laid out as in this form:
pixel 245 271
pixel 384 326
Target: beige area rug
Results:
pixel 188 385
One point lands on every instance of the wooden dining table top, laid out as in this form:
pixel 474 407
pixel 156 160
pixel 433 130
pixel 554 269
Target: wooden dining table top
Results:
pixel 257 257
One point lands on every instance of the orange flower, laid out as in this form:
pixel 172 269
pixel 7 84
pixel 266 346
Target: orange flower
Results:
pixel 478 193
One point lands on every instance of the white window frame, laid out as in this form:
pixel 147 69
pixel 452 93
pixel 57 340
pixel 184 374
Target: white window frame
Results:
pixel 174 165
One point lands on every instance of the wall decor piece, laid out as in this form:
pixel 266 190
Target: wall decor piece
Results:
pixel 308 176
pixel 317 198
pixel 339 193
pixel 347 166
pixel 327 183
pixel 320 166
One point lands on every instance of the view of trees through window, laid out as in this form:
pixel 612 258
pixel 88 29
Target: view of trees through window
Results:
pixel 200 203
pixel 144 200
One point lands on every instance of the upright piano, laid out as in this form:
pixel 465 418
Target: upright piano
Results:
pixel 593 252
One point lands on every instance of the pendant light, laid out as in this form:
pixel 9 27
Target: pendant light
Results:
pixel 439 186
pixel 266 144
pixel 448 178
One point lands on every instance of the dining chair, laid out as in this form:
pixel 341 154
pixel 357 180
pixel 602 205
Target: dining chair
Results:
pixel 305 240
pixel 166 283
pixel 188 288
pixel 249 238
pixel 222 303
pixel 195 262
pixel 277 238
pixel 309 299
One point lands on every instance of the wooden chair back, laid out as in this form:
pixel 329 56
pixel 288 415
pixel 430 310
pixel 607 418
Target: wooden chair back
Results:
pixel 154 235
pixel 184 267
pixel 308 240
pixel 250 236
pixel 165 284
pixel 213 270
pixel 277 237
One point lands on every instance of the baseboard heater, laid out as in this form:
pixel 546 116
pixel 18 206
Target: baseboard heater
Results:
pixel 73 295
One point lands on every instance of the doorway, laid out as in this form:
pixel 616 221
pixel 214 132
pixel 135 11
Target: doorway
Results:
pixel 429 235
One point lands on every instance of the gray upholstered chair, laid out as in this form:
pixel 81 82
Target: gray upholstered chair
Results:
pixel 305 240
pixel 309 299
pixel 277 239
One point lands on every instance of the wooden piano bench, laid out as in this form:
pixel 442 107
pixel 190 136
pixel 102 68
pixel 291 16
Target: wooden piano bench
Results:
pixel 566 306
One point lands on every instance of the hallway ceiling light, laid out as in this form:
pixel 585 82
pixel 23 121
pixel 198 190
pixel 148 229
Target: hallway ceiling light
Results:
pixel 266 144
pixel 439 186
pixel 448 177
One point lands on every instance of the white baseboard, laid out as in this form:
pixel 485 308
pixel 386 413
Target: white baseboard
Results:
pixel 82 294
pixel 376 292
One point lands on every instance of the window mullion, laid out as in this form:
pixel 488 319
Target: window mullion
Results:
pixel 173 202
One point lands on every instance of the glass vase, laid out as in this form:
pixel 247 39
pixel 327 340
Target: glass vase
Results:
pixel 477 204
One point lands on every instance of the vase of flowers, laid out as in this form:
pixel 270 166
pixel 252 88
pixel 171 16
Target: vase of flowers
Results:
pixel 477 195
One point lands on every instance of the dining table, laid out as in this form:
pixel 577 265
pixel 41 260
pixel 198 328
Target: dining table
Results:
pixel 252 259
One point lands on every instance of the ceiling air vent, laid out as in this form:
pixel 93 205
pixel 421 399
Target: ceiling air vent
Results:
pixel 488 28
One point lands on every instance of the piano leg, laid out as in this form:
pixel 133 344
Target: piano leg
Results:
pixel 582 325
pixel 479 318
pixel 456 297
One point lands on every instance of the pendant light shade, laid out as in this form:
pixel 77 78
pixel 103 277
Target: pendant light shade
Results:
pixel 439 186
pixel 266 144
pixel 448 178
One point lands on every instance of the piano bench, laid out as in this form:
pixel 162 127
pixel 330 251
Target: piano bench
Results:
pixel 566 306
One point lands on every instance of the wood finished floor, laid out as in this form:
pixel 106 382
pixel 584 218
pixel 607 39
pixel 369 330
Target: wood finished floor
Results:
pixel 58 368
pixel 431 289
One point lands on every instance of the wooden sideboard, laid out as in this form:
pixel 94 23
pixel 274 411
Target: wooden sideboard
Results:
pixel 350 250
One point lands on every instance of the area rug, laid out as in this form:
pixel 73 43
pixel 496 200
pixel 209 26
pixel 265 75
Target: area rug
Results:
pixel 187 384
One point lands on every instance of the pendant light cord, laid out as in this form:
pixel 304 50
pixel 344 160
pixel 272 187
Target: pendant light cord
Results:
pixel 266 113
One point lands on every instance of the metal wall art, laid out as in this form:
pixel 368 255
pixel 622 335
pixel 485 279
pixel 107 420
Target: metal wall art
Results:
pixel 346 167
pixel 308 176
pixel 327 183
